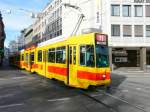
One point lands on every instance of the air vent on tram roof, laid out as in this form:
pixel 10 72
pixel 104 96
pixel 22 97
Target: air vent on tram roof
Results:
pixel 91 30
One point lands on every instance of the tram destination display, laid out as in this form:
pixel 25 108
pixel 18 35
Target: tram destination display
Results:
pixel 101 39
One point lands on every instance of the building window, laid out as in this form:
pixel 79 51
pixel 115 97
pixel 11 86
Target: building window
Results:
pixel 138 30
pixel 126 10
pixel 115 10
pixel 55 24
pixel 115 30
pixel 147 30
pixel 147 10
pixel 127 30
pixel 138 10
pixel 40 56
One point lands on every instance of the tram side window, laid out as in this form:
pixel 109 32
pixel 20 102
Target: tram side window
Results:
pixel 22 57
pixel 51 55
pixel 61 55
pixel 18 58
pixel 27 57
pixel 87 56
pixel 74 55
pixel 32 56
pixel 70 55
pixel 82 56
pixel 40 56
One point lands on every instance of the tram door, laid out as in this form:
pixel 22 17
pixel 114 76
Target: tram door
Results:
pixel 27 61
pixel 44 62
pixel 72 78
pixel 31 60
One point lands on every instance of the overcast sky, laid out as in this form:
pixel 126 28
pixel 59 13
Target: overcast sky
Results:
pixel 18 20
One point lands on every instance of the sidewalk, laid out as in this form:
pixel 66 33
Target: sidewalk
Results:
pixel 132 72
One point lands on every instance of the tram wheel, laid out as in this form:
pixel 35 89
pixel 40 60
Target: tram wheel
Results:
pixel 108 88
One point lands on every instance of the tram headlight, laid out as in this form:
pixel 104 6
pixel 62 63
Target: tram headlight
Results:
pixel 103 76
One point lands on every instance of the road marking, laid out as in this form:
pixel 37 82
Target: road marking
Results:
pixel 145 87
pixel 138 89
pixel 3 96
pixel 11 105
pixel 2 79
pixel 96 95
pixel 139 86
pixel 133 74
pixel 125 90
pixel 134 71
pixel 60 99
pixel 19 77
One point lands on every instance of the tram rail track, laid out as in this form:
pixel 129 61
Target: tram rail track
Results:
pixel 111 108
pixel 122 100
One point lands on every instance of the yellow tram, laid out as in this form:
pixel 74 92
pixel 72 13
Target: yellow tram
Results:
pixel 79 61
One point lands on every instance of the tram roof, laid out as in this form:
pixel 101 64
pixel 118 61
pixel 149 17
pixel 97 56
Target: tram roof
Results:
pixel 61 38
pixel 52 41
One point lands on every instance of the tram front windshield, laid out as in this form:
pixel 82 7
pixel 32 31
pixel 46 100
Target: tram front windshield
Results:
pixel 102 56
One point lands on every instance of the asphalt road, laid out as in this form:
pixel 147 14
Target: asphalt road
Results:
pixel 21 91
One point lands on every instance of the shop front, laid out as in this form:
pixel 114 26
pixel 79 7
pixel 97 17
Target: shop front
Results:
pixel 148 57
pixel 129 57
pixel 123 57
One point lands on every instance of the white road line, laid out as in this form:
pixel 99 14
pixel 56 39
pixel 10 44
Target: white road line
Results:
pixel 11 105
pixel 3 96
pixel 125 90
pixel 133 74
pixel 139 86
pixel 134 71
pixel 1 79
pixel 19 77
pixel 60 99
pixel 96 95
pixel 138 89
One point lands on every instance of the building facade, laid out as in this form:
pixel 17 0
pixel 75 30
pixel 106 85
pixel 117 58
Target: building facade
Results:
pixel 127 23
pixel 13 47
pixel 61 20
pixel 21 39
pixel 128 27
pixel 37 35
pixel 28 36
